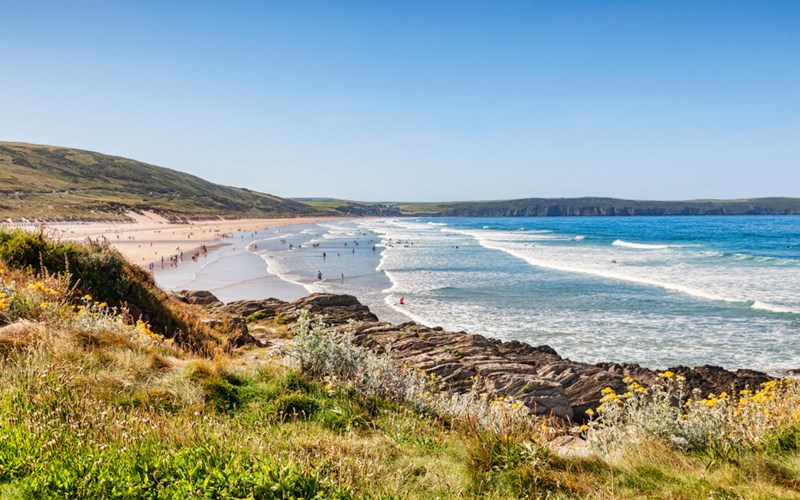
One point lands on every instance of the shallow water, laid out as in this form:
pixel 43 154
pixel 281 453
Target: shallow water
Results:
pixel 659 291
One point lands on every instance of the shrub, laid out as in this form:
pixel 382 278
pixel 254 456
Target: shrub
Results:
pixel 331 355
pixel 720 424
pixel 100 272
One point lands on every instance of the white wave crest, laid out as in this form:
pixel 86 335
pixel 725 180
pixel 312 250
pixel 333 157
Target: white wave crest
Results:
pixel 773 307
pixel 641 246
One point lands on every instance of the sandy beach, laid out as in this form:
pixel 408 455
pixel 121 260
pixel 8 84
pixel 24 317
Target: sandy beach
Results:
pixel 152 237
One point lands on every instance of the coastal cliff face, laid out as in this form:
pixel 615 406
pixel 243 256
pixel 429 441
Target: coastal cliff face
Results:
pixel 544 207
pixel 536 375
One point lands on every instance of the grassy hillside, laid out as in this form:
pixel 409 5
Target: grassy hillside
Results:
pixel 602 206
pixel 354 208
pixel 48 182
pixel 94 404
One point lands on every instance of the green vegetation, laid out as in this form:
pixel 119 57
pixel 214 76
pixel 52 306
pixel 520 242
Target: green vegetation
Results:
pixel 95 403
pixel 55 183
pixel 536 207
pixel 352 208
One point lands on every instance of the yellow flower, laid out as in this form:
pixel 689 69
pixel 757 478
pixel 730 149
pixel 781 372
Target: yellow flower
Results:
pixel 43 305
pixel 590 412
pixel 627 380
pixel 88 297
pixel 584 428
pixel 667 374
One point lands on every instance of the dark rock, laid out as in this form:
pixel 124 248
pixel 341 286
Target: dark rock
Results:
pixel 242 336
pixel 198 297
pixel 247 308
pixel 337 309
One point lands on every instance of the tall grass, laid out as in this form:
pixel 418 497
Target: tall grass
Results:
pixel 101 272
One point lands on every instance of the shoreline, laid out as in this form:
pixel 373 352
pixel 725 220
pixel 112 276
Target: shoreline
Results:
pixel 152 237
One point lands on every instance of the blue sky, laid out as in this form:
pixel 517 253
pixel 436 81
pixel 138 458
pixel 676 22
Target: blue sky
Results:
pixel 428 100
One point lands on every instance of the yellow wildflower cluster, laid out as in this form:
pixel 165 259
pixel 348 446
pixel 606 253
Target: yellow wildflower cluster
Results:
pixel 5 301
pixel 41 287
pixel 143 329
pixel 718 419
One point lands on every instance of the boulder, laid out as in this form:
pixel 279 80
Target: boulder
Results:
pixel 247 308
pixel 337 309
pixel 241 336
pixel 197 297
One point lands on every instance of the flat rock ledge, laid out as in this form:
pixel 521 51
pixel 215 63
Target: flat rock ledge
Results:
pixel 547 383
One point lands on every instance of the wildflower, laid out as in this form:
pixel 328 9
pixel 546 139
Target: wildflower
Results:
pixel 87 297
pixel 667 374
pixel 590 412
pixel 43 305
pixel 627 380
pixel 584 428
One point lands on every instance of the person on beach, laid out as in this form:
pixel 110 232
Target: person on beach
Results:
pixel 402 300
pixel 319 275
pixel 342 277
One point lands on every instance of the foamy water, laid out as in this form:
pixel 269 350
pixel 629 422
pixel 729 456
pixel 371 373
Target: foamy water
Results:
pixel 659 291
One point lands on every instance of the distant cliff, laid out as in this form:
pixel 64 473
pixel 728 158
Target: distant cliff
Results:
pixel 550 207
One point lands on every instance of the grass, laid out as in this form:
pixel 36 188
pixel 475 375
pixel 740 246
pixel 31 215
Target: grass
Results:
pixel 84 185
pixel 94 404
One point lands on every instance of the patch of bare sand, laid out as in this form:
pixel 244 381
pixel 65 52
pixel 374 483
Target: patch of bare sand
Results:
pixel 152 237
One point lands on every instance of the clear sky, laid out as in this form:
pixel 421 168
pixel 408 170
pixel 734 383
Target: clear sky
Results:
pixel 426 100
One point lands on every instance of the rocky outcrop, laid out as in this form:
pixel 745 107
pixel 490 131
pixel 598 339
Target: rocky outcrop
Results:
pixel 242 336
pixel 197 297
pixel 547 383
pixel 337 309
pixel 247 308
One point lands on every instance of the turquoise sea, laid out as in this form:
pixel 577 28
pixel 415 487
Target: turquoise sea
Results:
pixel 659 291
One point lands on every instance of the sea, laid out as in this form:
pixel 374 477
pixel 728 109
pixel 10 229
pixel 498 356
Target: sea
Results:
pixel 658 291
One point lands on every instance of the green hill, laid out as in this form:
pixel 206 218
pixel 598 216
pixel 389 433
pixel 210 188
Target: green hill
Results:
pixel 56 183
pixel 538 207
